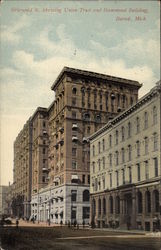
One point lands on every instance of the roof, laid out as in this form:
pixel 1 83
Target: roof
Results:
pixel 85 73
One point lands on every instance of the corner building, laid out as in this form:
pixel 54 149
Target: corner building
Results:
pixel 84 102
pixel 125 167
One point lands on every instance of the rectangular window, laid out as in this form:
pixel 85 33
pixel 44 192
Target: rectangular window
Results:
pixel 110 159
pixel 103 161
pixel 44 150
pixel 138 171
pixel 74 115
pixel 103 182
pixel 73 213
pixel 74 165
pixel 146 170
pixel 83 178
pixel 96 184
pixel 117 178
pixel 110 180
pixel 88 179
pixel 73 195
pixel 93 164
pixel 86 213
pixel 155 142
pixel 156 167
pixel 146 145
pixel 74 151
pixel 123 176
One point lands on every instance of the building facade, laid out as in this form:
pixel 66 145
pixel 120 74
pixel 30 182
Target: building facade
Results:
pixel 3 200
pixel 125 167
pixel 22 172
pixel 84 102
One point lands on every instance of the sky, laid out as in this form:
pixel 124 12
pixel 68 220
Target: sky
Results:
pixel 39 38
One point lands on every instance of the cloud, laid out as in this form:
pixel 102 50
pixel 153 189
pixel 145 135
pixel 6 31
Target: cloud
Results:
pixel 11 33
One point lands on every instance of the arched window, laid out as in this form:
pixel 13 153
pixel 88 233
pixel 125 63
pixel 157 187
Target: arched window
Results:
pixel 117 137
pixel 156 201
pixel 129 129
pixel 129 152
pixel 137 125
pixel 111 204
pixel 110 140
pixel 103 144
pixel 99 147
pixel 86 195
pixel 154 115
pixel 117 158
pixel 123 133
pixel 155 141
pixel 93 150
pixel 147 202
pixel 137 148
pixel 99 206
pixel 140 202
pixel 74 91
pixel 104 206
pixel 117 203
pixel 123 155
pixel 146 145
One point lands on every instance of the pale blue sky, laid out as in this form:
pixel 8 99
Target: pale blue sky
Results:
pixel 36 45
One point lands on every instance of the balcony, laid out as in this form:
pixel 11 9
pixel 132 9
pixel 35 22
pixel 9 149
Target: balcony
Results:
pixel 74 127
pixel 74 138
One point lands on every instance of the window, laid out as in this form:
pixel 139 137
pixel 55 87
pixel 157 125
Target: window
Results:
pixel 44 150
pixel 111 204
pixel 110 141
pixel 117 158
pixel 155 141
pixel 103 182
pixel 74 165
pixel 146 170
pixel 43 179
pixel 154 115
pixel 86 195
pixel 146 145
pixel 117 135
pixel 123 133
pixel 44 124
pixel 145 120
pixel 129 152
pixel 99 164
pixel 129 130
pixel 110 179
pixel 155 167
pixel 123 155
pixel 88 179
pixel 93 165
pixel 123 176
pixel 96 184
pixel 93 150
pixel 99 147
pixel 138 171
pixel 117 178
pixel 148 201
pixel 73 101
pixel 83 178
pixel 104 206
pixel 117 204
pixel 86 213
pixel 73 195
pixel 73 213
pixel 138 148
pixel 139 199
pixel 137 125
pixel 74 115
pixel 103 144
pixel 130 175
pixel 99 206
pixel 74 151
pixel 74 91
pixel 110 159
pixel 103 162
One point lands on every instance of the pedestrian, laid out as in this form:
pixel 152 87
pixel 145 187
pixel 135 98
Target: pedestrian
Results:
pixel 68 223
pixel 17 222
pixel 77 226
pixel 61 223
pixel 83 223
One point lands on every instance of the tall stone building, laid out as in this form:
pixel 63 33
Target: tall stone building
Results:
pixel 126 167
pixel 84 102
pixel 40 143
pixel 22 172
